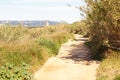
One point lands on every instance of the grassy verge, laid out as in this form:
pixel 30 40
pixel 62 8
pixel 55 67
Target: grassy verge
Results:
pixel 32 46
pixel 110 60
pixel 110 67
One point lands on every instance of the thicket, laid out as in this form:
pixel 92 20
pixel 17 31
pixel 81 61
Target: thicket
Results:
pixel 103 20
pixel 32 46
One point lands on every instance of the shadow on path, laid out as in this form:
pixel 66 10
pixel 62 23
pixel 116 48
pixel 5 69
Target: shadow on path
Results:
pixel 77 51
pixel 73 62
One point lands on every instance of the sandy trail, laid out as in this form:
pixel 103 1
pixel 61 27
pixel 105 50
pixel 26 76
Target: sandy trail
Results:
pixel 72 63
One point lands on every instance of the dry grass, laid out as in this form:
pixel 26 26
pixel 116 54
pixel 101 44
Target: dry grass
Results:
pixel 110 67
pixel 28 45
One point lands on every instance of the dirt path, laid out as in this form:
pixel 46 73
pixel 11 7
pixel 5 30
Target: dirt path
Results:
pixel 72 63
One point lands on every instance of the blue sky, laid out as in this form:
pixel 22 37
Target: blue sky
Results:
pixel 56 10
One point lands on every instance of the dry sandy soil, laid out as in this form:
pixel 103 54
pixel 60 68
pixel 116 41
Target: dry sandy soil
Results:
pixel 72 63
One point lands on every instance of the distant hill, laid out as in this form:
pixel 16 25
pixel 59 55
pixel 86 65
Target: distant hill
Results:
pixel 34 23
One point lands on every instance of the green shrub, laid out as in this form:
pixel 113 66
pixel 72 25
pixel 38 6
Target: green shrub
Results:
pixel 10 72
pixel 51 46
pixel 103 19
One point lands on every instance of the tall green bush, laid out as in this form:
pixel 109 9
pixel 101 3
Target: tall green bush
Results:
pixel 103 19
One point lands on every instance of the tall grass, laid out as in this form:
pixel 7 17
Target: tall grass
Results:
pixel 110 67
pixel 32 46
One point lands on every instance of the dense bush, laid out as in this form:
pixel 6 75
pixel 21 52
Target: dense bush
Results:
pixel 103 19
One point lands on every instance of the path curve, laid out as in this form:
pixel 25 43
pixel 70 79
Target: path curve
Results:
pixel 72 63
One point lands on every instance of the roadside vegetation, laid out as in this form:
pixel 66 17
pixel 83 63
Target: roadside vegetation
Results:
pixel 31 46
pixel 23 49
pixel 103 20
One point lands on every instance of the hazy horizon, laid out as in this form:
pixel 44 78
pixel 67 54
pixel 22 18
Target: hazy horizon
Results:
pixel 53 10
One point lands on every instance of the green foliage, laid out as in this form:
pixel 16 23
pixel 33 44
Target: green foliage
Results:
pixel 10 72
pixel 50 45
pixel 103 19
